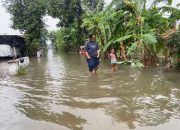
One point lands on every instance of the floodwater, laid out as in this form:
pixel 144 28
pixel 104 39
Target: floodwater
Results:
pixel 58 93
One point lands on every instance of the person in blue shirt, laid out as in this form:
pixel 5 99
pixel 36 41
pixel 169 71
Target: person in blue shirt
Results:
pixel 92 53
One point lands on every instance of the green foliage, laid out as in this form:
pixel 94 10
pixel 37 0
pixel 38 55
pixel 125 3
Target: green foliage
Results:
pixel 62 40
pixel 137 64
pixel 33 47
pixel 141 30
pixel 22 70
pixel 66 39
pixel 52 37
pixel 118 40
pixel 149 38
pixel 27 16
pixel 94 5
pixel 70 13
pixel 67 11
pixel 174 43
pixel 132 48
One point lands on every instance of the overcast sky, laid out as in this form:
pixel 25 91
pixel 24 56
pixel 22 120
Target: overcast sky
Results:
pixel 5 21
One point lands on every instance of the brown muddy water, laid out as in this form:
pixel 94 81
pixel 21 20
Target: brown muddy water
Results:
pixel 58 93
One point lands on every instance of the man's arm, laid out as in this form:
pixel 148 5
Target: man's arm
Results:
pixel 88 55
pixel 98 53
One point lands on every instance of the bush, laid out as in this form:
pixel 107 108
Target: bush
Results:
pixel 67 40
pixel 33 48
pixel 22 70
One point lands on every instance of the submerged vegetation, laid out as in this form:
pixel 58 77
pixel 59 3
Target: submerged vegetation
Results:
pixel 22 70
pixel 139 29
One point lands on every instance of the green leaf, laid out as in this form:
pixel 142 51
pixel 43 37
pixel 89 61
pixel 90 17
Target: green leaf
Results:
pixel 107 45
pixel 137 64
pixel 132 48
pixel 123 38
pixel 149 38
pixel 114 41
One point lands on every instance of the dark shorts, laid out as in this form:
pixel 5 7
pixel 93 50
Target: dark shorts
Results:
pixel 92 63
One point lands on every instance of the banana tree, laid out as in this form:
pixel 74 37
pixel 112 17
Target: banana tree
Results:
pixel 134 24
pixel 93 21
pixel 130 27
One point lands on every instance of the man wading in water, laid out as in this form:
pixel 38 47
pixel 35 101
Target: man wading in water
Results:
pixel 92 53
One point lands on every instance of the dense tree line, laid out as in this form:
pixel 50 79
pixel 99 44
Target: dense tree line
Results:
pixel 135 30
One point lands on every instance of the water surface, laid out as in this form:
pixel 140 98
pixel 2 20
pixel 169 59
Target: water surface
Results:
pixel 59 93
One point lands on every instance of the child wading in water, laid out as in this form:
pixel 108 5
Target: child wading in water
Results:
pixel 113 58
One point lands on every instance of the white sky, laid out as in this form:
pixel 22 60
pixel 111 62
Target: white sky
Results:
pixel 5 21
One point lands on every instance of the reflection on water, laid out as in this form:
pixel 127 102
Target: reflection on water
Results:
pixel 59 93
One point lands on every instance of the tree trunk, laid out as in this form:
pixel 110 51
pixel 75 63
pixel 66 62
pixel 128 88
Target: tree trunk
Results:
pixel 167 59
pixel 145 56
pixel 156 61
pixel 123 51
pixel 101 36
pixel 150 57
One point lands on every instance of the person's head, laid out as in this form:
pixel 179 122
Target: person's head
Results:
pixel 113 50
pixel 92 37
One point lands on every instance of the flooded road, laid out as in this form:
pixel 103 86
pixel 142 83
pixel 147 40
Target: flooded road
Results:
pixel 59 93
